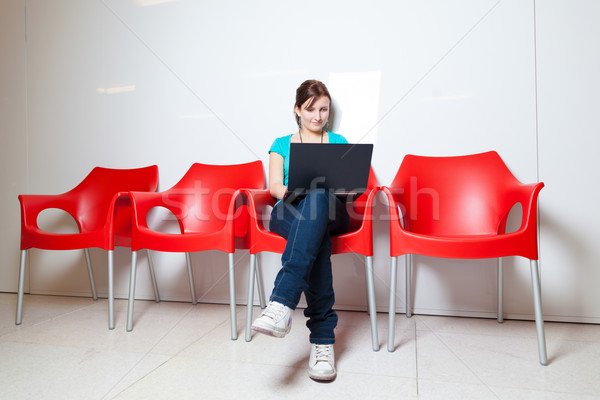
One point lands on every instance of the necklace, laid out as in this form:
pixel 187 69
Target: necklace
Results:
pixel 302 141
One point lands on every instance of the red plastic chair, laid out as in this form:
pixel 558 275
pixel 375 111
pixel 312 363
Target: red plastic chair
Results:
pixel 204 203
pixel 100 209
pixel 358 240
pixel 457 207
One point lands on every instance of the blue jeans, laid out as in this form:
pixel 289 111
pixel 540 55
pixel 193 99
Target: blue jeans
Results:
pixel 306 262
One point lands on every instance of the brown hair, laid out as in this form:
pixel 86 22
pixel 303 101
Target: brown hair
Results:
pixel 309 90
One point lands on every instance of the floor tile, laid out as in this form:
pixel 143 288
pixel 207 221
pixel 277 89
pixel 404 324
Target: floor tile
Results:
pixel 354 346
pixel 139 370
pixel 513 362
pixel 481 326
pixel 435 390
pixel 34 371
pixel 37 309
pixel 524 394
pixel 198 322
pixel 186 378
pixel 436 361
pixel 88 327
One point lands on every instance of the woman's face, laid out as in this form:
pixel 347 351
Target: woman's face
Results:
pixel 314 116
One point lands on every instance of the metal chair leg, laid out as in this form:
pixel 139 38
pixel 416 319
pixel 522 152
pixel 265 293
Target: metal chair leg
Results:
pixel 392 309
pixel 500 315
pixel 539 317
pixel 131 291
pixel 250 300
pixel 371 301
pixel 188 261
pixel 88 261
pixel 153 276
pixel 408 285
pixel 19 317
pixel 232 297
pixel 259 283
pixel 111 291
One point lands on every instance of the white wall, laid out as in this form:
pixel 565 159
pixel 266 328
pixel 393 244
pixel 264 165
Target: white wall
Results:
pixel 568 49
pixel 14 170
pixel 133 83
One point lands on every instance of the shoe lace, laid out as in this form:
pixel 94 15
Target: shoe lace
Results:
pixel 322 352
pixel 274 310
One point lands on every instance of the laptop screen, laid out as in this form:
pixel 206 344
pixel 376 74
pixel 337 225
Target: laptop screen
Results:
pixel 341 168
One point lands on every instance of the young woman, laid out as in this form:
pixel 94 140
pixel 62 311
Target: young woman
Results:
pixel 307 226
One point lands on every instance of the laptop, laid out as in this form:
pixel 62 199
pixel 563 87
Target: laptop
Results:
pixel 341 168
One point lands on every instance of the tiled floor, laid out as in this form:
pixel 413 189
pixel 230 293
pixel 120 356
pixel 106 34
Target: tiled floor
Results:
pixel 64 350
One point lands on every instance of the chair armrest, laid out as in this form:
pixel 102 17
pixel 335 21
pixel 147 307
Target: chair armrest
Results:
pixel 361 209
pixel 527 196
pixel 119 214
pixel 365 201
pixel 393 204
pixel 261 196
pixel 32 205
pixel 143 202
pixel 258 200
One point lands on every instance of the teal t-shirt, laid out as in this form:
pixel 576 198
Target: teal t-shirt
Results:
pixel 281 146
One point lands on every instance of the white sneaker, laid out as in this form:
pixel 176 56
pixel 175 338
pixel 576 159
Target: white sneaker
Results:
pixel 321 365
pixel 275 320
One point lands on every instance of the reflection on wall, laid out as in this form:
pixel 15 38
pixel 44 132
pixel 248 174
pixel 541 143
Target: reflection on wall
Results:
pixel 356 104
pixel 146 3
pixel 116 89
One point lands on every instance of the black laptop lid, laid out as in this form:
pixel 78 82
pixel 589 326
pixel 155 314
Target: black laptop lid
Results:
pixel 342 168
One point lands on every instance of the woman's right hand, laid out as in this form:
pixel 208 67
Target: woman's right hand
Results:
pixel 276 186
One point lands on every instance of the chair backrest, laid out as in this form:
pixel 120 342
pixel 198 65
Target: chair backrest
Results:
pixel 202 198
pixel 463 195
pixel 93 196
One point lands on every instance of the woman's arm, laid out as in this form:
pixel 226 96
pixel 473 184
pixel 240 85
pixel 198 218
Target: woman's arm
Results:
pixel 276 186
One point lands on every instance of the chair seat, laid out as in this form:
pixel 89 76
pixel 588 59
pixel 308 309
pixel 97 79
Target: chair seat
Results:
pixel 184 242
pixel 463 246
